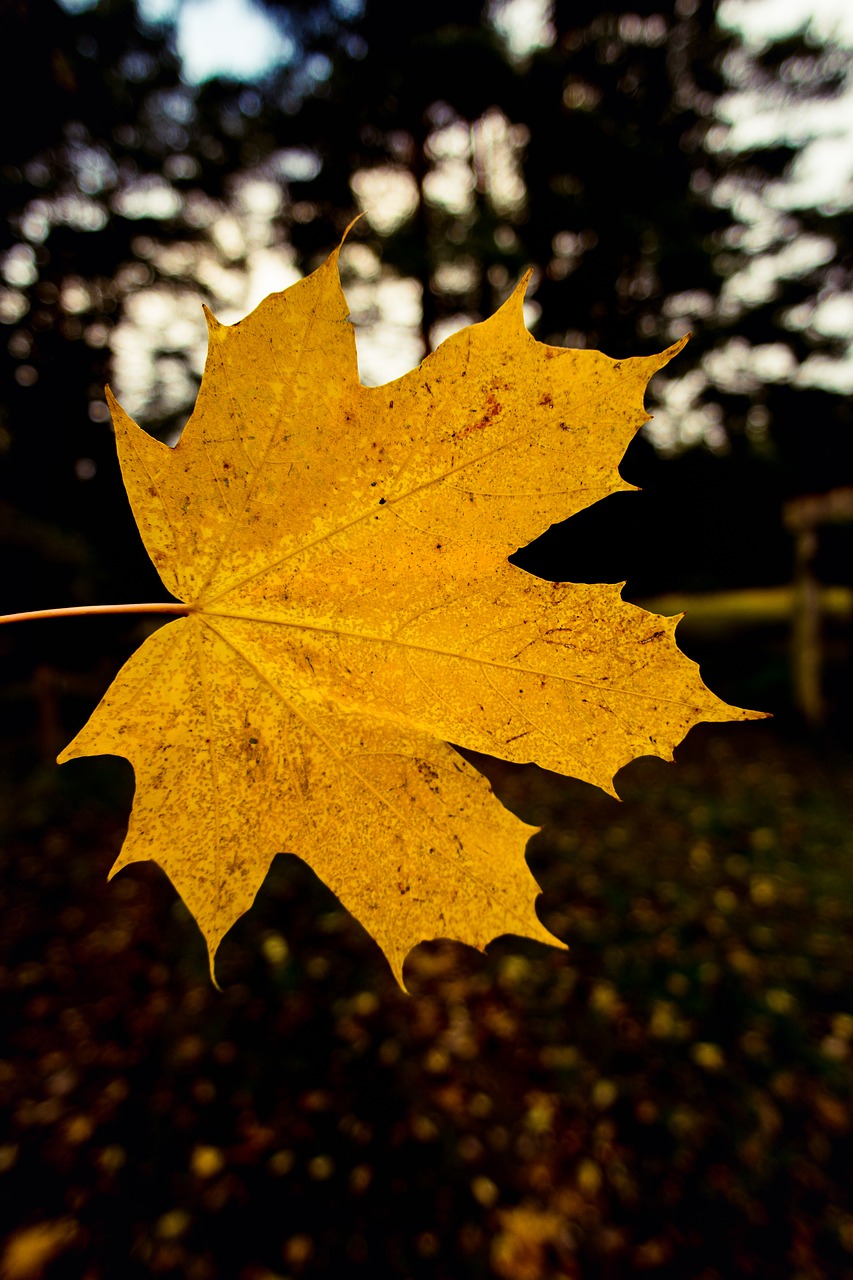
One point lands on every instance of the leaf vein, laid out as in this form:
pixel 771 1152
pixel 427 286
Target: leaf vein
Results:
pixel 347 765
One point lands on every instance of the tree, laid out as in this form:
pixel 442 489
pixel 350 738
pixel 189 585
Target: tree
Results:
pixel 117 184
pixel 113 187
pixel 591 152
pixel 782 322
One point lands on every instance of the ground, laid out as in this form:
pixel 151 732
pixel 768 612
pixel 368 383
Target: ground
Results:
pixel 671 1096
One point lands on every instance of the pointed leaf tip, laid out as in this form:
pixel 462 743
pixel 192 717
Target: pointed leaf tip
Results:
pixel 334 254
pixel 513 305
pixel 520 291
pixel 213 325
pixel 672 351
pixel 211 957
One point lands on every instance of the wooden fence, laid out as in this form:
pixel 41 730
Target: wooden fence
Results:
pixel 804 604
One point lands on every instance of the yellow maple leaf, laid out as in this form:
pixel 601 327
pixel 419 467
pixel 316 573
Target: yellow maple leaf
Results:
pixel 342 553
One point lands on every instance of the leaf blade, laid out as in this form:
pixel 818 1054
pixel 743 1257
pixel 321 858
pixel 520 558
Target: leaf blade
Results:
pixel 343 553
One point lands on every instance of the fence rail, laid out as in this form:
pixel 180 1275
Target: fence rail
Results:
pixel 804 604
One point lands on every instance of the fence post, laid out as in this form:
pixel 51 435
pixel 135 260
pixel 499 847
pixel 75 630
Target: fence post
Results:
pixel 806 637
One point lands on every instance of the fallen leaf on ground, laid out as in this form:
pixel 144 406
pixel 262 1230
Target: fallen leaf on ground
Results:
pixel 29 1250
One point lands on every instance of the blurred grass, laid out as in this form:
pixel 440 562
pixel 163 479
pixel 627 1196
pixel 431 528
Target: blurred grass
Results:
pixel 711 612
pixel 672 1096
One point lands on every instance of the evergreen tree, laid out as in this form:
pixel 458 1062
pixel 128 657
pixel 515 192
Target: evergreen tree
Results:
pixel 782 327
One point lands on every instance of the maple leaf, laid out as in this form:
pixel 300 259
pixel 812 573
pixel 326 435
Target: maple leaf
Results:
pixel 342 551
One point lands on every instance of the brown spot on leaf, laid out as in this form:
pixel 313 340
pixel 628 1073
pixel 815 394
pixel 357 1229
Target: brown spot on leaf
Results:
pixel 493 408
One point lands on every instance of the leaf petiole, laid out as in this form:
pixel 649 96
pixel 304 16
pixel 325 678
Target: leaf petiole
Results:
pixel 174 606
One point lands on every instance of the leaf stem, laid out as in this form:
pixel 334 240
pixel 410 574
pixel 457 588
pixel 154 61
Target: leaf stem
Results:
pixel 174 606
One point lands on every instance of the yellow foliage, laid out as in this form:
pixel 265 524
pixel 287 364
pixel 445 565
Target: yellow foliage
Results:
pixel 342 551
pixel 707 1055
pixel 206 1162
pixel 519 1249
pixel 29 1250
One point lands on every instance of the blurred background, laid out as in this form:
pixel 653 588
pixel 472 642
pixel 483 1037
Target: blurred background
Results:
pixel 673 1095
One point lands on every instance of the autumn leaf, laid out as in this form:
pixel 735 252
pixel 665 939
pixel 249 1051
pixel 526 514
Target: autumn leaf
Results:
pixel 342 551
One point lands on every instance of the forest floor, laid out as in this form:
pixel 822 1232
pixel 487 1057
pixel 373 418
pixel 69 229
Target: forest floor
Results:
pixel 672 1095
